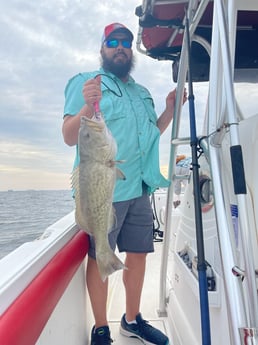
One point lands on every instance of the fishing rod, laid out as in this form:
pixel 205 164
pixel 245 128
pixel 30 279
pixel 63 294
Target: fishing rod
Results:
pixel 202 266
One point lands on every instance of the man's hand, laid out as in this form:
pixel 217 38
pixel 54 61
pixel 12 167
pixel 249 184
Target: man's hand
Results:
pixel 92 91
pixel 171 99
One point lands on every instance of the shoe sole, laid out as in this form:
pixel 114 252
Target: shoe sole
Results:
pixel 133 335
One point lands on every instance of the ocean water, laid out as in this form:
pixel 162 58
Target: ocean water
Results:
pixel 24 215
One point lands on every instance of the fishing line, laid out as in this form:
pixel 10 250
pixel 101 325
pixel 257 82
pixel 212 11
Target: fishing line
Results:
pixel 116 83
pixel 120 94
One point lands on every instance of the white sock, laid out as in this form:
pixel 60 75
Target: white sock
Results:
pixel 131 322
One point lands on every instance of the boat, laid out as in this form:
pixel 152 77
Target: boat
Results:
pixel 43 297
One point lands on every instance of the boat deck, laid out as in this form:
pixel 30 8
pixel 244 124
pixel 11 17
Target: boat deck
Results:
pixel 149 303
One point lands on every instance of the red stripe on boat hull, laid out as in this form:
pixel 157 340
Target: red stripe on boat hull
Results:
pixel 23 322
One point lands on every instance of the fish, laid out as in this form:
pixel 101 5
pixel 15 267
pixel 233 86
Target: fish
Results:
pixel 93 182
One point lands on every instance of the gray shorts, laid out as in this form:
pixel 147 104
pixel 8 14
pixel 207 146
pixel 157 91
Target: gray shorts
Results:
pixel 133 230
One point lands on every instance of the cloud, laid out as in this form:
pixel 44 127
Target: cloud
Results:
pixel 42 45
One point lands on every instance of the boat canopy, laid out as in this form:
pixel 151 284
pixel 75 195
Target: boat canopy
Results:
pixel 161 32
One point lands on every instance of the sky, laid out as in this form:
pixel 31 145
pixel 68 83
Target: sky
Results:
pixel 42 45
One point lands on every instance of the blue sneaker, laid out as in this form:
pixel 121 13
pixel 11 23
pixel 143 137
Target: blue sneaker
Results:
pixel 101 336
pixel 143 331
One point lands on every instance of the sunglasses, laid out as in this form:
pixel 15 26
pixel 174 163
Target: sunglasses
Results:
pixel 114 43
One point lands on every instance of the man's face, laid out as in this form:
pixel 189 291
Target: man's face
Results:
pixel 117 59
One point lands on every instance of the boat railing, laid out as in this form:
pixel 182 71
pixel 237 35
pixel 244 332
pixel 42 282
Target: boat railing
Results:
pixel 175 142
pixel 42 280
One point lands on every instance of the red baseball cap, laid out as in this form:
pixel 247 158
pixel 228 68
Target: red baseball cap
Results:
pixel 116 27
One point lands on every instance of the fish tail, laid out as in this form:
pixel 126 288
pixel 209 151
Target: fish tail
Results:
pixel 108 264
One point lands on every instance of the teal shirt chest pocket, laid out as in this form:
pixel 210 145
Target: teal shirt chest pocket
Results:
pixel 145 105
pixel 116 119
pixel 111 105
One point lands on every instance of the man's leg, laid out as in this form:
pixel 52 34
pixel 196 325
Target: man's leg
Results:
pixel 97 292
pixel 133 279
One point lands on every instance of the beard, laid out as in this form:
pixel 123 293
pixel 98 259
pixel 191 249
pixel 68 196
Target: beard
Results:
pixel 119 69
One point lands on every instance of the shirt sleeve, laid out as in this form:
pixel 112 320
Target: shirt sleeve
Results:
pixel 74 100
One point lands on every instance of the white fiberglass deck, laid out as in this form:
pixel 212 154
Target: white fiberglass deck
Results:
pixel 150 299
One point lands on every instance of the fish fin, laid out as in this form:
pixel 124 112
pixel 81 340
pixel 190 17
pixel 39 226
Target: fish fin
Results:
pixel 120 175
pixel 108 263
pixel 75 180
pixel 76 187
pixel 112 220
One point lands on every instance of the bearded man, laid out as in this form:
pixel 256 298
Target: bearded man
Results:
pixel 129 113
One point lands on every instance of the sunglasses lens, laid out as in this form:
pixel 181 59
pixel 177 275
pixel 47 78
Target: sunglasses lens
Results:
pixel 126 44
pixel 115 43
pixel 112 43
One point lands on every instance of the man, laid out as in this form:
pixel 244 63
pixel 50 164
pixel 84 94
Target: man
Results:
pixel 129 113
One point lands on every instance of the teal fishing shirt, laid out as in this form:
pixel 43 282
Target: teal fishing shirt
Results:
pixel 128 110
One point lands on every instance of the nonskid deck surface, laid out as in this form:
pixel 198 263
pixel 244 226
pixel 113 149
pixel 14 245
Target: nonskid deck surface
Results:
pixel 149 302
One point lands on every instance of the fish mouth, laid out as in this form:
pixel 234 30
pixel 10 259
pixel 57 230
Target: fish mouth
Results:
pixel 97 125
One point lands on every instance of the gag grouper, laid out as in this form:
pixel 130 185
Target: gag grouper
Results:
pixel 93 181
